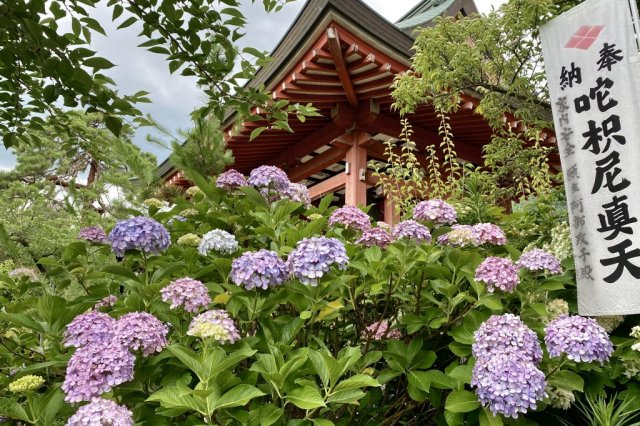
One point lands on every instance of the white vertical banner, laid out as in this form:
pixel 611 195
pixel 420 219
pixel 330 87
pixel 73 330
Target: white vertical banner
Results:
pixel 591 62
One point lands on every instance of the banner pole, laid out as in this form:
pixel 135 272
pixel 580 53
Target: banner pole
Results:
pixel 636 22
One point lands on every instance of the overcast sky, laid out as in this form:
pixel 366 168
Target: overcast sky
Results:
pixel 174 96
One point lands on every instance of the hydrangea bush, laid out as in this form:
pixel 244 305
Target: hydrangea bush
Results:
pixel 261 309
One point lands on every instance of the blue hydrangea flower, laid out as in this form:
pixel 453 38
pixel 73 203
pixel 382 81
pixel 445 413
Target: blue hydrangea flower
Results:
pixel 506 335
pixel 412 230
pixel 271 181
pixel 230 180
pixel 581 339
pixel 139 233
pixel 218 240
pixel 260 269
pixel 313 257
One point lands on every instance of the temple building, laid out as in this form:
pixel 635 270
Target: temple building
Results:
pixel 342 56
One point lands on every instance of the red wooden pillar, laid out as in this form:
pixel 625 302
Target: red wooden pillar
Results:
pixel 356 186
pixel 391 216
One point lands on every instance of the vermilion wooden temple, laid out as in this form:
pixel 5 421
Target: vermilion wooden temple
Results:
pixel 341 56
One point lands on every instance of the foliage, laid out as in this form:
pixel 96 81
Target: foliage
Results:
pixel 601 411
pixel 46 67
pixel 305 356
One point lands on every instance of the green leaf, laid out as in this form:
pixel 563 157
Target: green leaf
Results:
pixel 175 398
pixel 51 308
pixel 13 410
pixel 256 132
pixel 568 380
pixel 461 401
pixel 121 272
pixel 269 414
pixel 423 380
pixel 357 381
pixel 238 396
pixel 306 397
pixel 114 124
pixel 99 63
pixel 189 358
pixel 21 320
pixel 488 419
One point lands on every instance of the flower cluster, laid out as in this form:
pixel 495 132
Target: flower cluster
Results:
pixel 189 213
pixel 187 293
pixel 189 240
pixel 154 202
pixel 141 330
pixel 140 233
pixel 95 369
pixel 230 180
pixel 557 307
pixel 176 218
pixel 269 180
pixel 25 384
pixel 560 398
pixel 539 260
pixel 100 412
pixel 610 322
pixel 459 236
pixel 214 324
pixel 560 245
pixel 375 237
pixel 488 233
pixel 93 234
pixel 261 269
pixel 581 339
pixel 314 216
pixel 380 331
pixel 436 211
pixel 218 240
pixel 106 302
pixel 412 230
pixel 30 273
pixel 508 386
pixel 498 272
pixel 91 327
pixel 350 217
pixel 506 334
pixel 298 193
pixel 505 376
pixel 313 257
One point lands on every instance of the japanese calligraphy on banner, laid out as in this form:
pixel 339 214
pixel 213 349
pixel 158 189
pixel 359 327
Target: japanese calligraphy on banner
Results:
pixel 590 56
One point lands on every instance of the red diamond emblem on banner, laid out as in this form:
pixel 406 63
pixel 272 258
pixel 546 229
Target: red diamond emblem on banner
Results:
pixel 584 37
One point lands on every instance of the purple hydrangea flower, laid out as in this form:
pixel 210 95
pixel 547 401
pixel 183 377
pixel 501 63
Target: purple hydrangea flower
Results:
pixel 100 412
pixel 375 237
pixel 581 338
pixel 350 217
pixel 380 331
pixel 94 369
pixel 540 260
pixel 299 193
pixel 106 302
pixel 498 272
pixel 270 181
pixel 217 240
pixel 506 334
pixel 260 269
pixel 214 324
pixel 436 211
pixel 507 385
pixel 187 293
pixel 93 234
pixel 140 233
pixel 141 330
pixel 230 180
pixel 488 233
pixel 313 257
pixel 91 327
pixel 460 236
pixel 412 230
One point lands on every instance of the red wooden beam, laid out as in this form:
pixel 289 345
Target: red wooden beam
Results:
pixel 326 186
pixel 318 163
pixel 338 59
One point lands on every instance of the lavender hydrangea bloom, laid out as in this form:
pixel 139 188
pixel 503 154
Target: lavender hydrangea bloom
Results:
pixel 498 272
pixel 506 334
pixel 218 240
pixel 581 338
pixel 412 230
pixel 230 180
pixel 100 412
pixel 488 233
pixel 141 330
pixel 299 193
pixel 214 324
pixel 93 234
pixel 260 269
pixel 313 257
pixel 140 233
pixel 460 236
pixel 269 180
pixel 91 327
pixel 380 331
pixel 187 293
pixel 375 237
pixel 94 369
pixel 436 211
pixel 508 386
pixel 540 260
pixel 350 217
